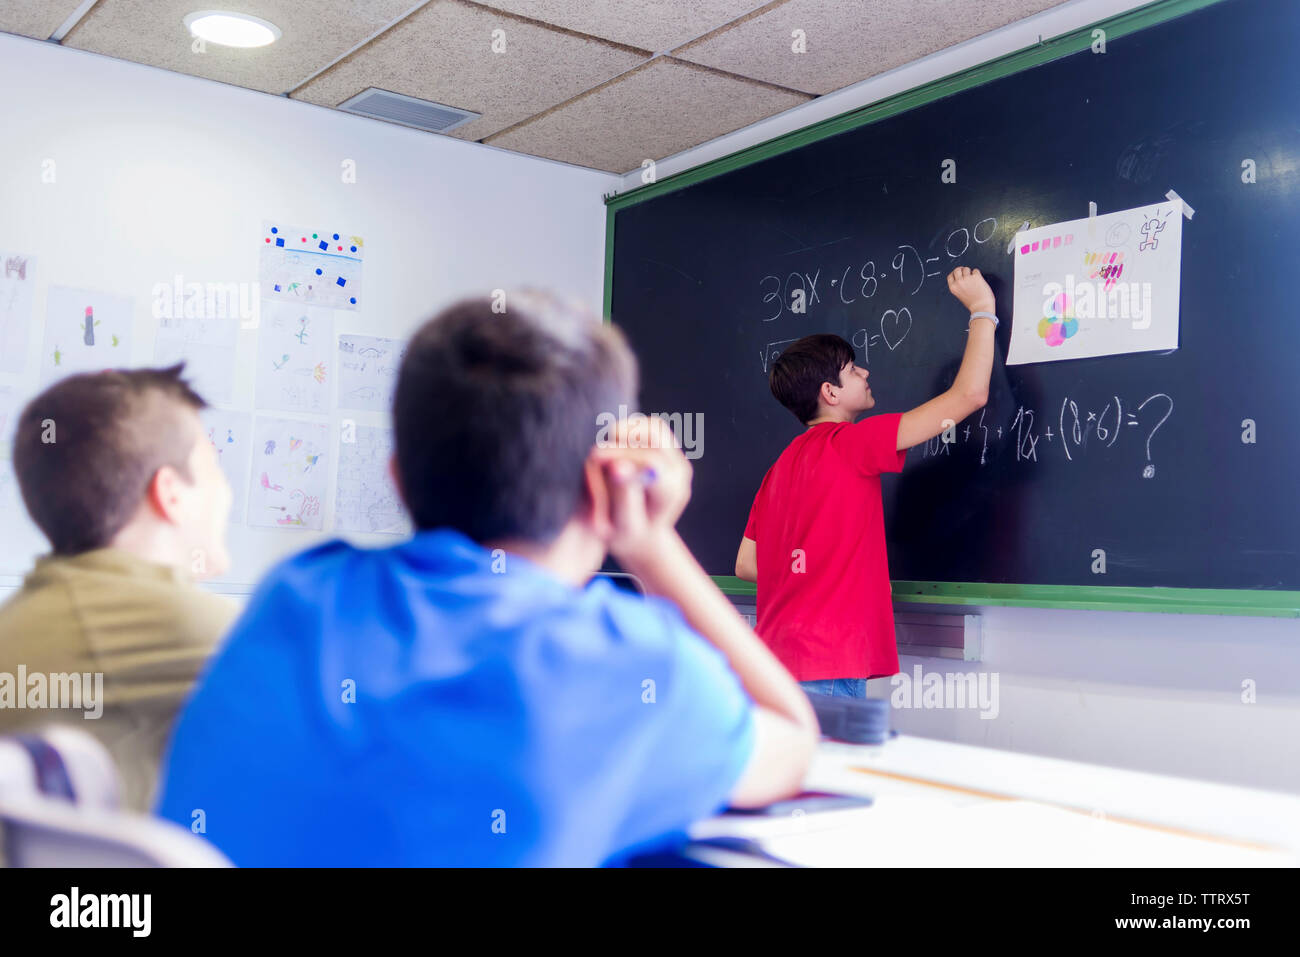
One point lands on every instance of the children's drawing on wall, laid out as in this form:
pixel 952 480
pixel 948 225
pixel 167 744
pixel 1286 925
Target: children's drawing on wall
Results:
pixel 1107 285
pixel 85 332
pixel 11 406
pixel 295 361
pixel 319 267
pixel 368 372
pixel 288 476
pixel 229 434
pixel 207 347
pixel 367 499
pixel 11 507
pixel 17 286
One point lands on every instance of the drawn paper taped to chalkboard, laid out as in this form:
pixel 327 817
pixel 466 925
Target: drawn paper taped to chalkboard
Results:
pixel 287 481
pixel 206 346
pixel 17 287
pixel 229 434
pixel 1108 285
pixel 368 372
pixel 85 331
pixel 295 362
pixel 367 498
pixel 319 267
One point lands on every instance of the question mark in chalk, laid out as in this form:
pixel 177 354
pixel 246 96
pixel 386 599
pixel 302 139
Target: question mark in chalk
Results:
pixel 1150 470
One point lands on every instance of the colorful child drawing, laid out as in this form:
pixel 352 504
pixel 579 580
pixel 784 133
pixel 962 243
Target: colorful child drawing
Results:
pixel 1105 266
pixel 1058 322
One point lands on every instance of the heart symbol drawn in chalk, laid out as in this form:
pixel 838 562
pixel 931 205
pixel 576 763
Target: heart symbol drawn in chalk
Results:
pixel 902 321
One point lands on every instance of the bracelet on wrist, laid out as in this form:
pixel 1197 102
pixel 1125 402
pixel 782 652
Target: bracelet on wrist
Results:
pixel 986 315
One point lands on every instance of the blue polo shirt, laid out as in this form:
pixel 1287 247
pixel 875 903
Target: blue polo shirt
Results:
pixel 431 704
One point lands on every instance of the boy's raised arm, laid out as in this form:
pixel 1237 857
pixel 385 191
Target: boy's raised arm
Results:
pixel 970 390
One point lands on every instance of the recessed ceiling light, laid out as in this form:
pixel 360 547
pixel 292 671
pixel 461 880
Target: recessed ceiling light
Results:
pixel 231 29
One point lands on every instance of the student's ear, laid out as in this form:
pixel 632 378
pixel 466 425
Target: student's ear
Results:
pixel 828 394
pixel 164 494
pixel 396 476
pixel 595 498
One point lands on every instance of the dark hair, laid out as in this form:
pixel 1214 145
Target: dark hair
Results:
pixel 86 449
pixel 797 375
pixel 495 414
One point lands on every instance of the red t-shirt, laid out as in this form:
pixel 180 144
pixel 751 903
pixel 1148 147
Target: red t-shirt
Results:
pixel 824 601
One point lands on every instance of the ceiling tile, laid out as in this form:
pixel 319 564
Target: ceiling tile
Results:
pixel 152 32
pixel 850 40
pixel 35 18
pixel 444 53
pixel 656 111
pixel 654 25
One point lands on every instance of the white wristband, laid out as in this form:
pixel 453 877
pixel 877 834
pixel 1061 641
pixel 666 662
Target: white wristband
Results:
pixel 986 315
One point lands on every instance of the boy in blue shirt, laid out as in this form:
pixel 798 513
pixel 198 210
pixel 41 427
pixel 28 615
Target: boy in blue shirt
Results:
pixel 466 697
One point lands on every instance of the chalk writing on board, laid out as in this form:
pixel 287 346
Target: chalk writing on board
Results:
pixel 772 350
pixel 1074 428
pixel 910 266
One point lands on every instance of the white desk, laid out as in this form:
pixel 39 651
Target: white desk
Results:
pixel 939 804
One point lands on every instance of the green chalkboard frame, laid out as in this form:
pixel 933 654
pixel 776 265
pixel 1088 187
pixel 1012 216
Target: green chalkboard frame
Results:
pixel 1187 601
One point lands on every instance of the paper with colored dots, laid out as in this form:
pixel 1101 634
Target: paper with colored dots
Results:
pixel 85 331
pixel 17 288
pixel 319 267
pixel 290 461
pixel 296 361
pixel 1101 286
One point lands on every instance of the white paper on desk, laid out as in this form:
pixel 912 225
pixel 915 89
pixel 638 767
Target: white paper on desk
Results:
pixel 909 831
pixel 1107 285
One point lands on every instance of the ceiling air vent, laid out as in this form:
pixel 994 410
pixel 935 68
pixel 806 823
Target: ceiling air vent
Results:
pixel 407 110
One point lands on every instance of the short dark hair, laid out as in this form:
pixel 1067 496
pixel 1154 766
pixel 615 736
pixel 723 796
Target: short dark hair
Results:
pixel 495 414
pixel 797 375
pixel 86 449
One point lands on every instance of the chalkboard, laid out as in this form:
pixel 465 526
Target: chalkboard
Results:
pixel 1150 461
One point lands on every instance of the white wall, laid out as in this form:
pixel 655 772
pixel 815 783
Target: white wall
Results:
pixel 1160 693
pixel 1148 692
pixel 159 174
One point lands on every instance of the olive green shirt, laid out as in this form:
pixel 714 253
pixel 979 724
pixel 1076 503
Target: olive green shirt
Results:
pixel 145 627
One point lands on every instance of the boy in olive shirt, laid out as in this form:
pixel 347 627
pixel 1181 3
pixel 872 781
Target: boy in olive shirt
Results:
pixel 108 632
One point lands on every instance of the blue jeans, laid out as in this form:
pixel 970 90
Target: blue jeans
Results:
pixel 839 687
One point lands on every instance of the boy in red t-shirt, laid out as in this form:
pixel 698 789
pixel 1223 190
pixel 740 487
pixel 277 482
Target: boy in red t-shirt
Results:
pixel 815 541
